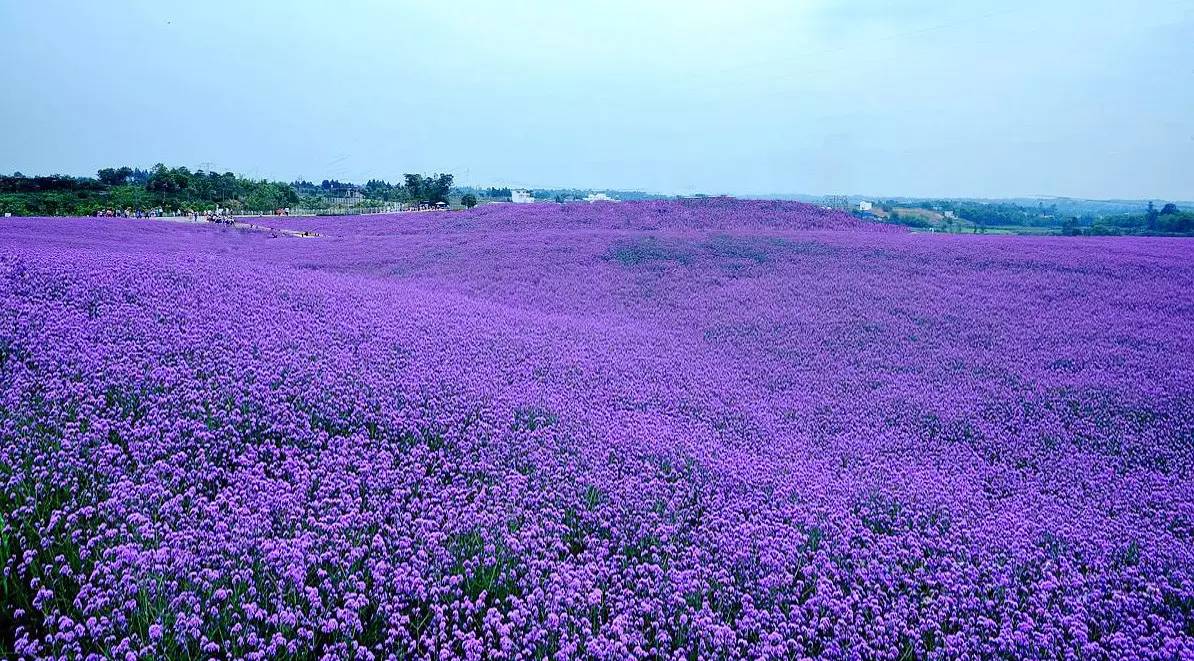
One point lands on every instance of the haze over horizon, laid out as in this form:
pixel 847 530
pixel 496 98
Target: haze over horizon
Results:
pixel 913 98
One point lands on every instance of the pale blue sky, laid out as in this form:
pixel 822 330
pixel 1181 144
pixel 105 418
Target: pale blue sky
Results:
pixel 1089 98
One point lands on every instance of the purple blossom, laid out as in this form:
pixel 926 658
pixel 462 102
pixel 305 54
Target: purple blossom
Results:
pixel 708 428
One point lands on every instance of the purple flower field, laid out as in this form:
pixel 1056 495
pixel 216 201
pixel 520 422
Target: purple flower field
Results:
pixel 685 429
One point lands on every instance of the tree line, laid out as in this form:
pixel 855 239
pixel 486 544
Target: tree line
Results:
pixel 1169 220
pixel 1166 220
pixel 160 187
pixel 176 189
pixel 414 188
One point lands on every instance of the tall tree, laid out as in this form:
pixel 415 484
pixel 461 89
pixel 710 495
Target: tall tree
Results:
pixel 114 176
pixel 413 186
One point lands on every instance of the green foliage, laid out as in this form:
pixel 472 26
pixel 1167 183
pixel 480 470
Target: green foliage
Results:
pixel 996 214
pixel 114 176
pixel 19 183
pixel 909 220
pixel 313 202
pixel 427 188
pixel 172 189
pixel 166 180
pixel 486 565
pixel 1170 220
pixel 1066 217
pixel 469 200
pixel 271 195
pixel 377 189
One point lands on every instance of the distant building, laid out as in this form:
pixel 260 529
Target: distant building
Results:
pixel 344 197
pixel 599 197
pixel 522 197
pixel 864 206
pixel 950 214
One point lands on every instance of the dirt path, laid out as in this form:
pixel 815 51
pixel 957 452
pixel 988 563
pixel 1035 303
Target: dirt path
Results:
pixel 302 234
pixel 186 220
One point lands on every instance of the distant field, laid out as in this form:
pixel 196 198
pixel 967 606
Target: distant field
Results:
pixel 964 227
pixel 684 429
pixel 939 222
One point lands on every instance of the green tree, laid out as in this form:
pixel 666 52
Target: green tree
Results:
pixel 469 200
pixel 166 180
pixel 439 186
pixel 114 176
pixel 413 187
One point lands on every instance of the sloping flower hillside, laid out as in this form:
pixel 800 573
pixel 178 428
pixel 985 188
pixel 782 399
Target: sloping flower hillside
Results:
pixel 697 429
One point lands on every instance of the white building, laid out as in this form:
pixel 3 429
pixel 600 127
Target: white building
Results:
pixel 522 197
pixel 864 206
pixel 344 197
pixel 599 197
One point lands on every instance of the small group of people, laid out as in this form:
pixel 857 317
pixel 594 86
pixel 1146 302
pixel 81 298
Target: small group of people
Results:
pixel 130 213
pixel 215 215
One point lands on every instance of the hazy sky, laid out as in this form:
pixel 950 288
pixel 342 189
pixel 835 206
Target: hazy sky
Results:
pixel 1091 98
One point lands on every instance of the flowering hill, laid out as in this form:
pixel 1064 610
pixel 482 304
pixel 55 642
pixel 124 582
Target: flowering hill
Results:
pixel 687 214
pixel 678 429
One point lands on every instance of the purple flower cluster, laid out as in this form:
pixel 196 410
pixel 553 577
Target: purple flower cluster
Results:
pixel 683 429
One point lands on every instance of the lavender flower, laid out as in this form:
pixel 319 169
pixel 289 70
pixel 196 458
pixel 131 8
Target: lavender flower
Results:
pixel 665 429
